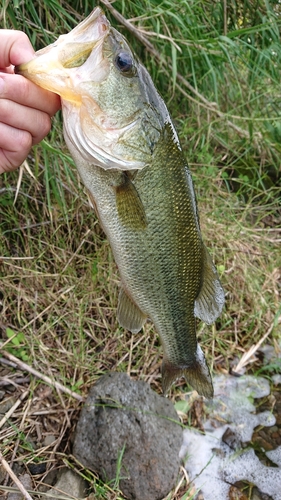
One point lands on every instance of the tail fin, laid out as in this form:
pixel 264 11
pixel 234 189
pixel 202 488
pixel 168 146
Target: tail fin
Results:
pixel 196 374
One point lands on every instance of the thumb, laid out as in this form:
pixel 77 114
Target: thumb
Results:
pixel 15 48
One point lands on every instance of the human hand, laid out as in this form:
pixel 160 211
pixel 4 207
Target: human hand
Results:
pixel 25 108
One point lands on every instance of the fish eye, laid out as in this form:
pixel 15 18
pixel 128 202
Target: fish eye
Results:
pixel 125 63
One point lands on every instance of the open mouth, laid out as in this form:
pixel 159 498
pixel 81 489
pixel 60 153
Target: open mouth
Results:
pixel 55 67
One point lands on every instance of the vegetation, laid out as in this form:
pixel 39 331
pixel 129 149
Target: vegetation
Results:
pixel 217 65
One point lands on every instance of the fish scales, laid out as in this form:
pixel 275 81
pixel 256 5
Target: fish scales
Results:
pixel 159 263
pixel 127 152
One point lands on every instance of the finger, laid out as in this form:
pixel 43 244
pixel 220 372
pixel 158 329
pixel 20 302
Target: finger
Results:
pixel 20 117
pixel 9 69
pixel 15 48
pixel 15 145
pixel 18 89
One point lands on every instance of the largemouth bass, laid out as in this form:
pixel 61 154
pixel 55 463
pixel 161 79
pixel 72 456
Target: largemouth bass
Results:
pixel 128 154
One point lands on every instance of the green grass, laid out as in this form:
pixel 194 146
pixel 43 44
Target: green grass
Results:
pixel 58 280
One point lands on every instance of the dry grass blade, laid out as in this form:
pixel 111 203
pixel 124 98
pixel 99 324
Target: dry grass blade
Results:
pixel 61 293
pixel 247 357
pixel 42 495
pixel 57 385
pixel 13 408
pixel 14 478
pixel 22 167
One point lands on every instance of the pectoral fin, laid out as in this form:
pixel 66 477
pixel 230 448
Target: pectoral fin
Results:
pixel 128 314
pixel 209 303
pixel 129 205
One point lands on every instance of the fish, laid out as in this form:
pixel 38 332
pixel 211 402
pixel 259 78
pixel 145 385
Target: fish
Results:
pixel 127 151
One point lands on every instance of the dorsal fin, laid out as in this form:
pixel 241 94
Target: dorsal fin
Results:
pixel 209 303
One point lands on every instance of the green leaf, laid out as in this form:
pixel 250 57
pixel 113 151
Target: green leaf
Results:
pixel 10 333
pixel 182 406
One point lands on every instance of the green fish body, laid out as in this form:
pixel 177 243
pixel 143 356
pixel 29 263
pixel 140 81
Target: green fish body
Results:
pixel 127 152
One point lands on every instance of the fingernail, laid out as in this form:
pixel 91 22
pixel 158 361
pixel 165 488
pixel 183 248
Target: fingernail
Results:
pixel 2 85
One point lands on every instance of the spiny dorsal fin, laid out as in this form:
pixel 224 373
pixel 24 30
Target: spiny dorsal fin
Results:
pixel 129 205
pixel 128 314
pixel 209 303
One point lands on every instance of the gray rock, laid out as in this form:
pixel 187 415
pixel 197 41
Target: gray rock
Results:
pixel 69 484
pixel 124 419
pixel 6 405
pixel 231 439
pixel 26 481
pixel 49 439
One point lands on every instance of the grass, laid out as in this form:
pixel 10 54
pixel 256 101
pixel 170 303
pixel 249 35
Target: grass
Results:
pixel 58 280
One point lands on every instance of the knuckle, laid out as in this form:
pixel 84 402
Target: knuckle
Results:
pixel 22 37
pixel 43 129
pixel 46 125
pixel 4 110
pixel 24 89
pixel 24 141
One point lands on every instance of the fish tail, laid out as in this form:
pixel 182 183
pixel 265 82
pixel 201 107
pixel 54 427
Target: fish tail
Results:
pixel 196 374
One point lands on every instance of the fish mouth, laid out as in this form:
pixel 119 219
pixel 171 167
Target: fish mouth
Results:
pixel 77 66
pixel 55 67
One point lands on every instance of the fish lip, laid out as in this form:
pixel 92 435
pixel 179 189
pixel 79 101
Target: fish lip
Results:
pixel 49 69
pixel 96 18
pixel 93 16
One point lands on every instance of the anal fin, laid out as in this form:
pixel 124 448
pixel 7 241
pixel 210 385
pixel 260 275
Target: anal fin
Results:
pixel 128 313
pixel 210 301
